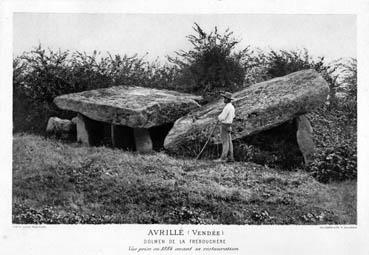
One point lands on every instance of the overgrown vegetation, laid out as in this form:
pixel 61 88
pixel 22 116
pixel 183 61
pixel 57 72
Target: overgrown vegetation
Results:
pixel 336 144
pixel 213 65
pixel 54 182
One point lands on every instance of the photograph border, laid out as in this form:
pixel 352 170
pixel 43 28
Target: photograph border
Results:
pixel 116 239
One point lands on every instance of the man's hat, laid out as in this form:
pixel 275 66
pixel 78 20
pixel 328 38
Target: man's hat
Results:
pixel 228 95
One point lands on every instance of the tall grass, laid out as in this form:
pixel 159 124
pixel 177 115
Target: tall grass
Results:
pixel 67 183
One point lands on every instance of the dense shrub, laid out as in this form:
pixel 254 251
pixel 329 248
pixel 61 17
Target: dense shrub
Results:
pixel 280 63
pixel 335 138
pixel 335 164
pixel 211 66
pixel 337 130
pixel 38 78
pixel 348 80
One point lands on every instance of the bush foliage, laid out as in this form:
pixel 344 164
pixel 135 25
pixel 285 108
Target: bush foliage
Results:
pixel 336 141
pixel 212 65
pixel 335 163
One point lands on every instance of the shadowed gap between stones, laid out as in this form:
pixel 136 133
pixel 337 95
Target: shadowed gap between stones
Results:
pixel 100 134
pixel 275 147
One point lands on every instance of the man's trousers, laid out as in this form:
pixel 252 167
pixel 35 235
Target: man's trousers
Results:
pixel 227 146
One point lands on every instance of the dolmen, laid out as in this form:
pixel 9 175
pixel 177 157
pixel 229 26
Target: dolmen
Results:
pixel 130 112
pixel 259 107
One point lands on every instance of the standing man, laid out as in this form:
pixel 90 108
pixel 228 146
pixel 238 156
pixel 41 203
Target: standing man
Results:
pixel 226 119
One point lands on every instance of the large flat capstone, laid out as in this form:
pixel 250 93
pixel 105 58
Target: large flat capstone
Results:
pixel 134 107
pixel 259 107
pixel 121 107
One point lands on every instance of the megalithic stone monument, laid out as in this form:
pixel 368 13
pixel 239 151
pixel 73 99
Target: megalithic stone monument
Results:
pixel 259 107
pixel 135 107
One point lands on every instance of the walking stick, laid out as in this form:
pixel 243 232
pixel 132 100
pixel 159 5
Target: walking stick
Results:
pixel 203 148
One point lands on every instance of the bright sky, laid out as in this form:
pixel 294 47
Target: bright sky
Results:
pixel 332 36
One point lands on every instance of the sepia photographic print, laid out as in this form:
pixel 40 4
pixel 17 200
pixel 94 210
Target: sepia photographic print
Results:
pixel 182 129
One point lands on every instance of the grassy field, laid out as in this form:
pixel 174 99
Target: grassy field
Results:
pixel 55 182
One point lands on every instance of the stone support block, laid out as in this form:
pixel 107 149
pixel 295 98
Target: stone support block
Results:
pixel 89 132
pixel 142 140
pixel 304 137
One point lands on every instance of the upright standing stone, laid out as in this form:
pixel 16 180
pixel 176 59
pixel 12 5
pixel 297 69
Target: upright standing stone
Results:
pixel 305 138
pixel 89 132
pixel 113 135
pixel 142 140
pixel 82 132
